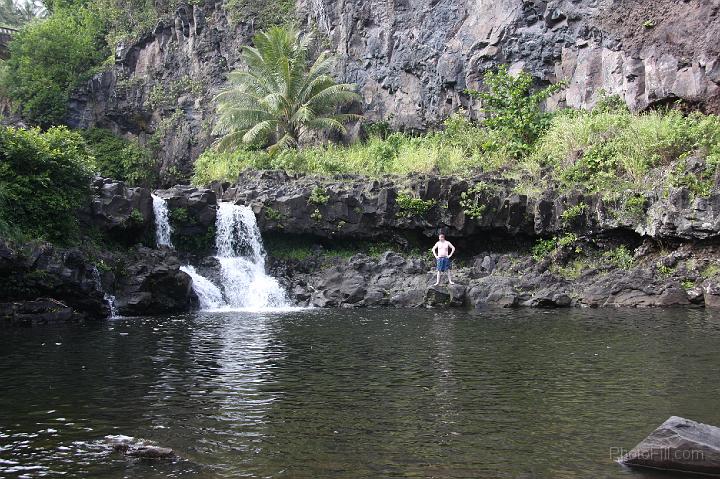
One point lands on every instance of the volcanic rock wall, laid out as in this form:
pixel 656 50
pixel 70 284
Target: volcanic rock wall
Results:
pixel 413 60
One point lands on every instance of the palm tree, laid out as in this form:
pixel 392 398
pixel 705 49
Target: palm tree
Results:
pixel 281 96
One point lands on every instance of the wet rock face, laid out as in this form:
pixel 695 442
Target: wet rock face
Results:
pixel 152 283
pixel 123 212
pixel 679 444
pixel 192 213
pixel 413 62
pixel 36 275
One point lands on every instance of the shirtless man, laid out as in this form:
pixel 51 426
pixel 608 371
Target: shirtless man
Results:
pixel 443 251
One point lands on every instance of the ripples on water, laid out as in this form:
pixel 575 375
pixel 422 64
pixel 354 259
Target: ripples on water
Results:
pixel 354 394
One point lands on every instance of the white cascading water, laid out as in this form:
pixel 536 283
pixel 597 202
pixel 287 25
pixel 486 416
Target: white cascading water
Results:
pixel 208 294
pixel 109 298
pixel 241 256
pixel 163 230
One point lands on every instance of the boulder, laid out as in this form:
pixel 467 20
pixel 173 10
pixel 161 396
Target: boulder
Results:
pixel 154 284
pixel 124 212
pixel 679 444
pixel 36 274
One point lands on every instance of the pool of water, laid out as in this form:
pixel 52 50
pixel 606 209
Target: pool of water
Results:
pixel 355 394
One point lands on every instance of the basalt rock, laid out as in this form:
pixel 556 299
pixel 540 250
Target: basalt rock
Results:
pixel 122 212
pixel 360 207
pixel 192 214
pixel 40 311
pixel 152 283
pixel 679 444
pixel 140 448
pixel 38 274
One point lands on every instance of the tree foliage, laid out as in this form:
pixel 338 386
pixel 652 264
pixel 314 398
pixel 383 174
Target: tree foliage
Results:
pixel 121 159
pixel 44 179
pixel 281 96
pixel 16 14
pixel 48 58
pixel 511 106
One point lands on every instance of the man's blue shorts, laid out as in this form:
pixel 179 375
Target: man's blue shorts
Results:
pixel 443 264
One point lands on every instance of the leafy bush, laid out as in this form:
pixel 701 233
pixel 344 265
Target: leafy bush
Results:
pixel 263 13
pixel 409 206
pixel 512 107
pixel 544 247
pixel 470 200
pixel 44 179
pixel 48 58
pixel 120 158
pixel 567 239
pixel 212 165
pixel 619 257
pixel 573 213
pixel 318 196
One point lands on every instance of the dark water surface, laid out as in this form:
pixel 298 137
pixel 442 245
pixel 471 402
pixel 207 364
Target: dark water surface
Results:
pixel 355 394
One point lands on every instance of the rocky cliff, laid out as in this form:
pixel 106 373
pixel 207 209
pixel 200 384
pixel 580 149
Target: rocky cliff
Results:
pixel 351 241
pixel 412 60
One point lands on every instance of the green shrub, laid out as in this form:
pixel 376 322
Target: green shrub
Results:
pixel 619 257
pixel 120 158
pixel 573 213
pixel 262 13
pixel 471 200
pixel 612 150
pixel 212 165
pixel 272 214
pixel 409 206
pixel 48 58
pixel 710 271
pixel 544 247
pixel 664 271
pixel 512 107
pixel 318 196
pixel 635 206
pixel 44 179
pixel 568 239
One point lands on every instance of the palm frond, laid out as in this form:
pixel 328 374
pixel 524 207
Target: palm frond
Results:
pixel 280 94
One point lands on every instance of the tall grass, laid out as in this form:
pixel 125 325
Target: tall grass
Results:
pixel 608 150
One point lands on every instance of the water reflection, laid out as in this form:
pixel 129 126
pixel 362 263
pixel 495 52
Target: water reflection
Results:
pixel 350 394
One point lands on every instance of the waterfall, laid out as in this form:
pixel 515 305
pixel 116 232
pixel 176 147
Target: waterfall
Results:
pixel 163 230
pixel 242 260
pixel 209 295
pixel 109 298
pixel 241 256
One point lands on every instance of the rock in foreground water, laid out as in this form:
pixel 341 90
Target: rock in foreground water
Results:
pixel 134 447
pixel 679 444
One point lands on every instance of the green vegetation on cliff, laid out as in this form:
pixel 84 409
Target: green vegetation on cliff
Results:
pixel 607 149
pixel 121 159
pixel 44 180
pixel 50 57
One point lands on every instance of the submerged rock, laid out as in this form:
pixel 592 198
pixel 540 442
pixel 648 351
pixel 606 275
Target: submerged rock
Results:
pixel 142 448
pixel 679 444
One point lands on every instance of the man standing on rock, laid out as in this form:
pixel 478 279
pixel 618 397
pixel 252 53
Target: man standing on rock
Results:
pixel 443 251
